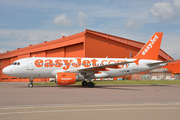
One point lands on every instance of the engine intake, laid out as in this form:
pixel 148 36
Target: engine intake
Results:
pixel 67 78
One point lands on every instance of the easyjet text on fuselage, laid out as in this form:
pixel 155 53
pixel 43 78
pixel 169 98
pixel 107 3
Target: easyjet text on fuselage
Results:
pixel 78 62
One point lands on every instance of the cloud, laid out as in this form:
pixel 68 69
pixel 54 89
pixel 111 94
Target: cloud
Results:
pixel 133 23
pixel 64 34
pixel 2 50
pixel 62 20
pixel 166 11
pixel 14 35
pixel 177 3
pixel 13 39
pixel 170 44
pixel 83 17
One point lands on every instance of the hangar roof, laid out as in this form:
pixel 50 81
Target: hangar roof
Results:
pixel 69 40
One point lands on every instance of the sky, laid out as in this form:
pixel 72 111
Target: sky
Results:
pixel 25 22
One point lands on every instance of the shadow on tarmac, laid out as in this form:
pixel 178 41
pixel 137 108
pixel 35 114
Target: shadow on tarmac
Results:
pixel 115 87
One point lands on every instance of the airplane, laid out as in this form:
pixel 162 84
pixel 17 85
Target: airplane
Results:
pixel 67 71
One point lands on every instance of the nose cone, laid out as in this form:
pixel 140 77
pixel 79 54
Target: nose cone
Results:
pixel 7 70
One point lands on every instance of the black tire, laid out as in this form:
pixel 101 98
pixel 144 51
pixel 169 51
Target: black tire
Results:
pixel 90 84
pixel 30 85
pixel 84 83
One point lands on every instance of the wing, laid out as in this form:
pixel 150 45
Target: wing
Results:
pixel 91 70
pixel 104 67
pixel 158 63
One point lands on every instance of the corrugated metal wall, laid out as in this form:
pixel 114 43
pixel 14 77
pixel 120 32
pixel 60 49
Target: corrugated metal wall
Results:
pixel 101 47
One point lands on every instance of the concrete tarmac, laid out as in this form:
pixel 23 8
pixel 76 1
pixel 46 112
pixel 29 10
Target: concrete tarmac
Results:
pixel 130 102
pixel 93 112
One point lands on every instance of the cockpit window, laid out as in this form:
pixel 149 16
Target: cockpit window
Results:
pixel 16 63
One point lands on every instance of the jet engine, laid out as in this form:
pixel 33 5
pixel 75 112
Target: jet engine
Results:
pixel 68 78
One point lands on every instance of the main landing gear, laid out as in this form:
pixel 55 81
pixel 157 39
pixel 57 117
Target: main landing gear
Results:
pixel 89 84
pixel 31 82
pixel 84 83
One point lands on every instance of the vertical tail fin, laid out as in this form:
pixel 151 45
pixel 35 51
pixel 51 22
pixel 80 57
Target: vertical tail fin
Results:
pixel 151 49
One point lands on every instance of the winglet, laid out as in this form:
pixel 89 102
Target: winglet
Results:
pixel 151 49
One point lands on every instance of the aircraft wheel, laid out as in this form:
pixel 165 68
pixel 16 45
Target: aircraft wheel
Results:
pixel 30 85
pixel 84 83
pixel 90 84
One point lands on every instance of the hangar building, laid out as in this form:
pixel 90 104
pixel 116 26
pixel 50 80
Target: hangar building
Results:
pixel 88 43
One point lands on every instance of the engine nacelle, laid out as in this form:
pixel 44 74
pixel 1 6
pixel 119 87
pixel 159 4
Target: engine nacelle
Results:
pixel 67 78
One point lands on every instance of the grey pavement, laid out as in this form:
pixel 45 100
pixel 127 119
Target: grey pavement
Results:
pixel 94 112
pixel 130 102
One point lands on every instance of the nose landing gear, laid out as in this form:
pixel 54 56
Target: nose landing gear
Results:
pixel 31 82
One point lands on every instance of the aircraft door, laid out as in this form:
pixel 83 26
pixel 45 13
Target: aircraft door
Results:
pixel 135 67
pixel 30 64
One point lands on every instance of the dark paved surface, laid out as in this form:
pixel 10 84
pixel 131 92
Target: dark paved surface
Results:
pixel 17 94
pixel 17 101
